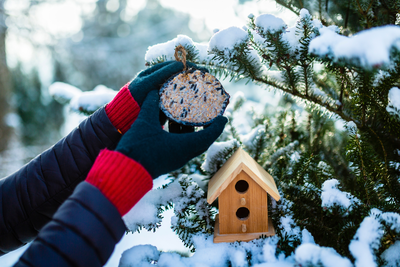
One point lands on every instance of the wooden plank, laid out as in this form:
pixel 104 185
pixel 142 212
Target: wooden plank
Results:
pixel 245 237
pixel 224 176
pixel 256 202
pixel 268 184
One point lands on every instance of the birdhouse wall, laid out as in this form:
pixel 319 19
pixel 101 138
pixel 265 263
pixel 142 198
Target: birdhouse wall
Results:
pixel 234 204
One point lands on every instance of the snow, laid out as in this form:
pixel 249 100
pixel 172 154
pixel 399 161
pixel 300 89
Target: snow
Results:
pixel 237 101
pixel 282 151
pixel 291 38
pixel 392 255
pixel 269 23
pixel 351 126
pixel 209 254
pixel 295 157
pixel 167 49
pixel 263 251
pixel 276 75
pixel 307 254
pixel 203 55
pixel 369 48
pixel 88 101
pixel 249 139
pixel 226 40
pixel 306 237
pixel 394 99
pixel 146 210
pixel 64 91
pixel 332 196
pixel 146 254
pixel 366 240
pixel 215 153
pixel 289 226
pixel 304 13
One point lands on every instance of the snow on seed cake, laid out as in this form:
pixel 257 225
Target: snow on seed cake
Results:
pixel 193 98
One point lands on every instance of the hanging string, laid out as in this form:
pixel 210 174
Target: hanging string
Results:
pixel 182 57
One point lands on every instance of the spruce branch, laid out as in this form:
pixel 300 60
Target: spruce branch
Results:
pixel 310 98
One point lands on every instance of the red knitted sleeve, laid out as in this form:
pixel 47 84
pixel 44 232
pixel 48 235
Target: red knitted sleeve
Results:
pixel 121 179
pixel 123 110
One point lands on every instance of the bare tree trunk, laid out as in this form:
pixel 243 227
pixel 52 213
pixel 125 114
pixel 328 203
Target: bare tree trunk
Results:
pixel 5 81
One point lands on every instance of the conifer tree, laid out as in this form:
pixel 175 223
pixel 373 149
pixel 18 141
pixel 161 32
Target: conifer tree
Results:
pixel 340 188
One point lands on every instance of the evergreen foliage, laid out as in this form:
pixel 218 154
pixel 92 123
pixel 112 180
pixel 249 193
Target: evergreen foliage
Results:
pixel 303 152
pixel 301 143
pixel 41 116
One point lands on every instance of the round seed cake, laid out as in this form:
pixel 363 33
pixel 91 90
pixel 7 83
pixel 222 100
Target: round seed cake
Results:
pixel 193 98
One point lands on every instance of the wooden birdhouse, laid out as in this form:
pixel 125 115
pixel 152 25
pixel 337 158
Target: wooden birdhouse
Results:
pixel 241 186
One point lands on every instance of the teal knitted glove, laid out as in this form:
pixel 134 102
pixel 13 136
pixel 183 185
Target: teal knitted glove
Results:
pixel 158 151
pixel 154 77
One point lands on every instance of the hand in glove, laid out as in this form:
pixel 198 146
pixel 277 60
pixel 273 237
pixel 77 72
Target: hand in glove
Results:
pixel 125 107
pixel 154 77
pixel 158 151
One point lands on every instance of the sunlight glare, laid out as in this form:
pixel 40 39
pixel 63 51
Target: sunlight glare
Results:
pixel 58 18
pixel 225 13
pixel 132 8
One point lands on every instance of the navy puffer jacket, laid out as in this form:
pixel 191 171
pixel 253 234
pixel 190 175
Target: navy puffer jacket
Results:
pixel 31 196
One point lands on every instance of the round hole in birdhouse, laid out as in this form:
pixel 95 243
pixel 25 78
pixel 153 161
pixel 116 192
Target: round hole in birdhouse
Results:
pixel 242 213
pixel 241 186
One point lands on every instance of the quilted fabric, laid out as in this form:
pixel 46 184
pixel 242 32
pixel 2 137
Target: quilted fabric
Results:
pixel 31 196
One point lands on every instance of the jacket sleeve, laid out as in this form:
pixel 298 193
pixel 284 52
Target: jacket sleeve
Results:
pixel 83 232
pixel 30 196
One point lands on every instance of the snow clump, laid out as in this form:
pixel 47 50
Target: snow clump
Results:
pixel 394 100
pixel 269 23
pixel 141 255
pixel 392 255
pixel 332 196
pixel 167 49
pixel 367 239
pixel 310 254
pixel 250 139
pixel 88 101
pixel 145 212
pixel 216 154
pixel 63 91
pixel 227 40
pixel 370 48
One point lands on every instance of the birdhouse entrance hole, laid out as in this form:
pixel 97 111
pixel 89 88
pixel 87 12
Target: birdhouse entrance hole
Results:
pixel 242 213
pixel 242 186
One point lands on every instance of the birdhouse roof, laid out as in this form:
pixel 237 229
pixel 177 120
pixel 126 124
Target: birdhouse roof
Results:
pixel 240 161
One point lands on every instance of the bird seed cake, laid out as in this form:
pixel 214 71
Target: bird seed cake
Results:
pixel 193 98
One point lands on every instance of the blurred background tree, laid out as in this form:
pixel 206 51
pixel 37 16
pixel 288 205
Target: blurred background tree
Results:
pixel 110 47
pixel 5 86
pixel 104 44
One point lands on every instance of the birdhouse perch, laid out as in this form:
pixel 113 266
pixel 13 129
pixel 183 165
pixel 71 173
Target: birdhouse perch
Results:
pixel 242 187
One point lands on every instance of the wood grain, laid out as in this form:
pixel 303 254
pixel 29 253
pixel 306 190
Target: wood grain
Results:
pixel 220 238
pixel 256 200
